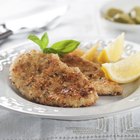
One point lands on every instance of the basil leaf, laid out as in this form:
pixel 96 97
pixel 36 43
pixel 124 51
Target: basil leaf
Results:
pixel 70 47
pixel 61 44
pixel 44 40
pixel 36 40
pixel 49 50
pixel 60 48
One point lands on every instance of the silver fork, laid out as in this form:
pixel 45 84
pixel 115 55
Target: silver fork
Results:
pixel 21 25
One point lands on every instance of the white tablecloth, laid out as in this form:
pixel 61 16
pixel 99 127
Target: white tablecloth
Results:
pixel 82 22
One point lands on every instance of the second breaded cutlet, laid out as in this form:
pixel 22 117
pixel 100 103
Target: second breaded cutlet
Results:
pixel 93 72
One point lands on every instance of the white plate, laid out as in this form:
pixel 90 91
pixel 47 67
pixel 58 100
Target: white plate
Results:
pixel 125 5
pixel 106 105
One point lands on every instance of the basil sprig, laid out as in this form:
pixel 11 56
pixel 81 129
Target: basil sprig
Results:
pixel 60 48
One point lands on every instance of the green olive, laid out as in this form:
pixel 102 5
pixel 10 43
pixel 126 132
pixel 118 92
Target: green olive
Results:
pixel 118 15
pixel 137 20
pixel 112 12
pixel 135 14
pixel 123 18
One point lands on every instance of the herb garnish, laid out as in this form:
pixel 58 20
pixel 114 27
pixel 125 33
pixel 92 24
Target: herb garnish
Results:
pixel 60 48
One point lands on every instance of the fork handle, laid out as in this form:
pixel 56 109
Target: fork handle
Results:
pixel 4 32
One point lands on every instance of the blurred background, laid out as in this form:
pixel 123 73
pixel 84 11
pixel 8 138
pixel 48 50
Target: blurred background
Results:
pixel 62 19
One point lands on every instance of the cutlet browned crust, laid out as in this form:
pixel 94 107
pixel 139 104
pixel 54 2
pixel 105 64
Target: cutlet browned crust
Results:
pixel 94 73
pixel 44 79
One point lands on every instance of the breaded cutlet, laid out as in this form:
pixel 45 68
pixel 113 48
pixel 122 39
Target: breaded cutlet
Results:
pixel 93 72
pixel 44 79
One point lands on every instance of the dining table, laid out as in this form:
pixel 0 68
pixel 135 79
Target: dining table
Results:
pixel 81 21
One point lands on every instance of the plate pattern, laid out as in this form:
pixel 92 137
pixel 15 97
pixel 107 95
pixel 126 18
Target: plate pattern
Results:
pixel 6 57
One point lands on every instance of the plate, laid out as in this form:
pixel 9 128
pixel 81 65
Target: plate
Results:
pixel 125 5
pixel 106 105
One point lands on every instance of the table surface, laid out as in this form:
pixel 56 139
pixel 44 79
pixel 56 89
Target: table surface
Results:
pixel 82 22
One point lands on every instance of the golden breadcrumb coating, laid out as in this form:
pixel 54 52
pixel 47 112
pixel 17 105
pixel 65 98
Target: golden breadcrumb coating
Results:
pixel 94 73
pixel 44 79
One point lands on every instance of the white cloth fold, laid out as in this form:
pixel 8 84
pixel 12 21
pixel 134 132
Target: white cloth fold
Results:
pixel 122 126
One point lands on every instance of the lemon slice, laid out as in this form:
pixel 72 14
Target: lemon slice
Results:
pixel 113 51
pixel 92 53
pixel 123 71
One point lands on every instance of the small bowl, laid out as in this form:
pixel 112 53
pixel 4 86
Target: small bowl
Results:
pixel 126 6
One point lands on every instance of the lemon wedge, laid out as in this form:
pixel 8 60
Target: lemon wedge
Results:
pixel 113 51
pixel 92 53
pixel 123 71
